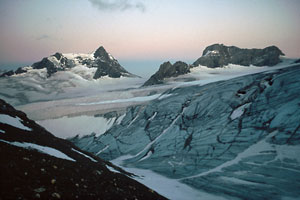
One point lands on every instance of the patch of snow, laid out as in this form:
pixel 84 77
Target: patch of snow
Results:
pixel 153 116
pixel 133 120
pixel 1 131
pixel 54 60
pixel 164 96
pixel 92 159
pixel 170 163
pixel 169 188
pixel 13 121
pixel 102 150
pixel 239 111
pixel 74 56
pixel 43 149
pixel 112 169
pixel 134 99
pixel 237 181
pixel 111 57
pixel 214 52
pixel 119 120
pixel 147 156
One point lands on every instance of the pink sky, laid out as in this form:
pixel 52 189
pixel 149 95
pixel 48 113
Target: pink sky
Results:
pixel 139 29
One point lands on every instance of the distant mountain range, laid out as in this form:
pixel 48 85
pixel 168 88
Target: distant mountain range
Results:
pixel 104 62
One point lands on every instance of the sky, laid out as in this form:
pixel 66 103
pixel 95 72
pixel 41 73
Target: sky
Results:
pixel 141 34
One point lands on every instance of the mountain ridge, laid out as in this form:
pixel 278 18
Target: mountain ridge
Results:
pixel 105 63
pixel 219 55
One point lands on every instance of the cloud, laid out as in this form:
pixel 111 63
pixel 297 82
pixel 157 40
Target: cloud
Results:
pixel 121 5
pixel 43 37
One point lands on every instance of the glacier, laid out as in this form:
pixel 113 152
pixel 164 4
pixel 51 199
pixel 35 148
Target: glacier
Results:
pixel 238 138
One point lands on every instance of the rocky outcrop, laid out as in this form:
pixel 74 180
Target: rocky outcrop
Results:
pixel 167 70
pixel 297 61
pixel 9 73
pixel 37 165
pixel 106 64
pixel 219 55
pixel 238 139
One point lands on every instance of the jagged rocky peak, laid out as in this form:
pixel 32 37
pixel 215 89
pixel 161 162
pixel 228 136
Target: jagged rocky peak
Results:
pixel 107 65
pixel 167 70
pixel 219 55
pixel 103 54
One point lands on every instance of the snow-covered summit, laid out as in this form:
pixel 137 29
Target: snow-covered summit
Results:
pixel 104 63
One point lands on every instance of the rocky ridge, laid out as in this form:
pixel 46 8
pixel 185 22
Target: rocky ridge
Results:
pixel 37 165
pixel 219 55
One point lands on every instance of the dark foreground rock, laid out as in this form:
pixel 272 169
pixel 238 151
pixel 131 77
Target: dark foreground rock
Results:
pixel 36 165
pixel 238 139
pixel 219 55
pixel 167 70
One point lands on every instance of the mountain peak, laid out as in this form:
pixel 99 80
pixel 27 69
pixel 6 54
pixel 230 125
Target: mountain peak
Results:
pixel 101 53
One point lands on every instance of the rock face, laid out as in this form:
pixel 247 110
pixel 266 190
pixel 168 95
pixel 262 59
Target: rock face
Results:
pixel 37 165
pixel 218 55
pixel 167 70
pixel 238 139
pixel 106 64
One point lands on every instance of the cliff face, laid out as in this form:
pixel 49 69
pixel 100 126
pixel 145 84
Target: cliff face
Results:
pixel 218 55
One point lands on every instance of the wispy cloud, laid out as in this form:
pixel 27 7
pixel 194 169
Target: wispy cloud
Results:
pixel 43 37
pixel 121 5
